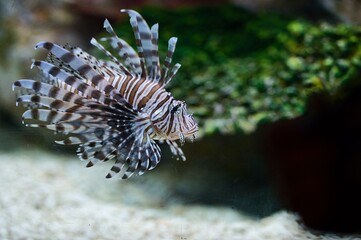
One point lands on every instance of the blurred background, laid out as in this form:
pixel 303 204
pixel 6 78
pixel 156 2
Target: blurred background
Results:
pixel 274 84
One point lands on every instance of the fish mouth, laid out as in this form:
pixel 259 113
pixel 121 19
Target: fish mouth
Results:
pixel 192 135
pixel 189 136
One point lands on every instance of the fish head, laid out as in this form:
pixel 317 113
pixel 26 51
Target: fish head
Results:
pixel 182 124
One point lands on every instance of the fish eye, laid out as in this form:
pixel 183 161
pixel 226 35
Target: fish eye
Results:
pixel 175 108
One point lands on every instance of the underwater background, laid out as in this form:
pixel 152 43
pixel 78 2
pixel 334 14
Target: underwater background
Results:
pixel 275 87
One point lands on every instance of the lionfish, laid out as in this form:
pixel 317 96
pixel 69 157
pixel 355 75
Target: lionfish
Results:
pixel 110 108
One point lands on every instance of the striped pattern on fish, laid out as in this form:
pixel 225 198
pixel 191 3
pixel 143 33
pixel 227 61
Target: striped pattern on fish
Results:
pixel 115 108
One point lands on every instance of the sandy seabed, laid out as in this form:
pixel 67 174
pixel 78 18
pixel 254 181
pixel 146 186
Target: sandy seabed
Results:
pixel 45 196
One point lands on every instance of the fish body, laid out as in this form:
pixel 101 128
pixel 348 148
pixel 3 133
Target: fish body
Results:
pixel 111 108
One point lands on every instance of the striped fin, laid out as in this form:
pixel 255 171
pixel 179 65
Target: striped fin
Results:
pixel 137 155
pixel 97 65
pixel 94 110
pixel 94 152
pixel 172 73
pixel 124 138
pixel 54 104
pixel 147 43
pixel 54 92
pixel 140 156
pixel 53 116
pixel 49 90
pixel 78 139
pixel 146 61
pixel 139 43
pixel 86 70
pixel 136 149
pixel 64 128
pixel 23 91
pixel 107 53
pixel 79 65
pixel 155 54
pixel 176 150
pixel 80 53
pixel 122 113
pixel 64 78
pixel 168 60
pixel 99 133
pixel 121 109
pixel 51 58
pixel 59 76
pixel 120 106
pixel 124 50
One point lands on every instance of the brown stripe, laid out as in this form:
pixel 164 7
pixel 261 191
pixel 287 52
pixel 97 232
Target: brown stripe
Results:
pixel 145 36
pixel 96 94
pixel 90 164
pixel 35 99
pixel 149 96
pixel 67 141
pixel 35 114
pixel 70 80
pixel 160 103
pixel 59 127
pixel 147 52
pixel 130 87
pixel 111 77
pixel 99 155
pixel 54 71
pixel 68 96
pixel 48 45
pixel 56 104
pixel 73 108
pixel 18 84
pixel 37 86
pixel 97 79
pixel 124 85
pixel 107 101
pixel 51 116
pixel 135 91
pixel 139 43
pixel 84 69
pixel 53 92
pixel 37 63
pixel 66 116
pixel 82 87
pixel 84 155
pixel 115 169
pixel 108 88
pixel 67 57
pixel 139 19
